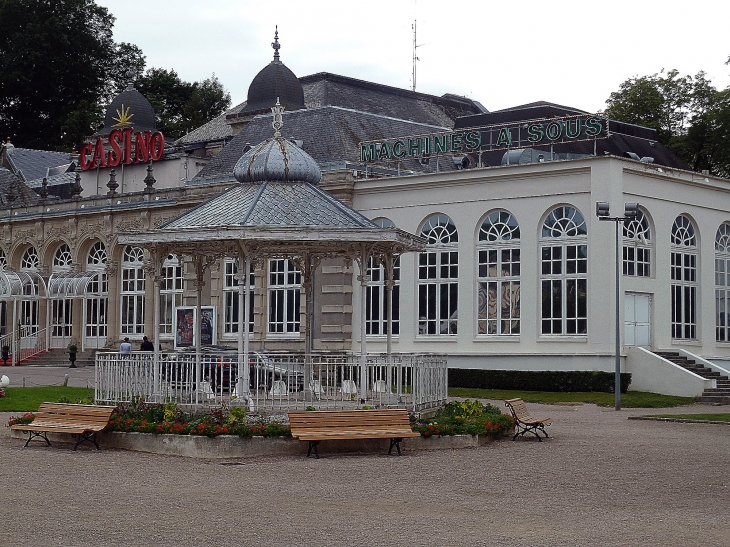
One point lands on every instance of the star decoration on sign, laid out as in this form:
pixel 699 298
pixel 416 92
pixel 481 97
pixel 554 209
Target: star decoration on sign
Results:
pixel 125 118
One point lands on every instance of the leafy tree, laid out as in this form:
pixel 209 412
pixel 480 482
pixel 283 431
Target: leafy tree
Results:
pixel 54 54
pixel 182 106
pixel 691 117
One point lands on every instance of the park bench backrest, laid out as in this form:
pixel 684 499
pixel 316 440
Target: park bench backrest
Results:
pixel 348 419
pixel 83 416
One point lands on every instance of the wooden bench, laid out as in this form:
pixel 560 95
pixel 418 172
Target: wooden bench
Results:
pixel 324 425
pixel 524 423
pixel 83 421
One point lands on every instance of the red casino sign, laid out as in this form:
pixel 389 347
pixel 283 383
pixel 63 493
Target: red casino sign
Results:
pixel 124 147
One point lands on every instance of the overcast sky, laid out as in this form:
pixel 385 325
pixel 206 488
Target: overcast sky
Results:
pixel 500 53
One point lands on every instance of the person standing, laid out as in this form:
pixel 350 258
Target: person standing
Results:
pixel 146 345
pixel 125 349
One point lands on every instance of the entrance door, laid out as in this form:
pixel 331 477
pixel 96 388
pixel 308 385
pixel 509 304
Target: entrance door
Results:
pixel 637 320
pixel 95 328
pixel 61 322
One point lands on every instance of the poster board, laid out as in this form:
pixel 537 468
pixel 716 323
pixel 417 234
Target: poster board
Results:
pixel 185 321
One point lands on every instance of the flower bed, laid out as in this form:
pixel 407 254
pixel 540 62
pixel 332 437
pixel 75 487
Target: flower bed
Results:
pixel 466 418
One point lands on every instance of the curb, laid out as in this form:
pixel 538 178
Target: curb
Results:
pixel 678 420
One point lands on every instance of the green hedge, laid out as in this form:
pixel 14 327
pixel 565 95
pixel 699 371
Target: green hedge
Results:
pixel 551 380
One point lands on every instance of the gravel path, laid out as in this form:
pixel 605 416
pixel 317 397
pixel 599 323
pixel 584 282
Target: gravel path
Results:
pixel 600 480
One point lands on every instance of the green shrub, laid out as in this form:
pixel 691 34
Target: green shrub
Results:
pixel 553 380
pixel 466 418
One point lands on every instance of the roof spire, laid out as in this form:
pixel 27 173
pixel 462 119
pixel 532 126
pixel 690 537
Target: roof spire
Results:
pixel 275 44
pixel 278 110
pixel 130 76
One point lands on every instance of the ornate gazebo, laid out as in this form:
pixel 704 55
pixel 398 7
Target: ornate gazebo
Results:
pixel 276 211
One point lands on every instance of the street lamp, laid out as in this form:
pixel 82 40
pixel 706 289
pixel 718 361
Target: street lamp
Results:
pixel 630 212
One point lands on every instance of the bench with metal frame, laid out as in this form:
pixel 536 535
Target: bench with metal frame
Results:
pixel 325 425
pixel 83 421
pixel 524 423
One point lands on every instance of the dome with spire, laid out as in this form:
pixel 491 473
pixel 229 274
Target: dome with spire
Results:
pixel 129 109
pixel 277 159
pixel 274 82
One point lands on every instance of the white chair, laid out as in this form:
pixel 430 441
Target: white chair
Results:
pixel 278 388
pixel 348 387
pixel 379 386
pixel 316 387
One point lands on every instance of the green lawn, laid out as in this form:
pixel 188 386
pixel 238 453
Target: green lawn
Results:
pixel 632 399
pixel 28 399
pixel 702 417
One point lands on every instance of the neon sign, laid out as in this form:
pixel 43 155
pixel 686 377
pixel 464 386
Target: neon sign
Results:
pixel 125 147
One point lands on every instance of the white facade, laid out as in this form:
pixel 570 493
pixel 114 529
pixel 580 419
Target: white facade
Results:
pixel 529 193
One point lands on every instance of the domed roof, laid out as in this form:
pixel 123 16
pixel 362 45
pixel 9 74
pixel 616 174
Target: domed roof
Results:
pixel 275 81
pixel 277 159
pixel 129 109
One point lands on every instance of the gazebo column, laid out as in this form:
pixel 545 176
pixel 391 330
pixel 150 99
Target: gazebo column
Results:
pixel 156 280
pixel 389 283
pixel 244 299
pixel 199 284
pixel 363 278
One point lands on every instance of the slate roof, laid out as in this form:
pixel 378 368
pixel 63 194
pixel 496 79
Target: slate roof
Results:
pixel 34 164
pixel 14 192
pixel 216 129
pixel 274 205
pixel 326 89
pixel 53 180
pixel 329 134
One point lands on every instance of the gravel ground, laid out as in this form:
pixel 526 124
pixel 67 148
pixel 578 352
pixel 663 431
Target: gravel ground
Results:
pixel 600 480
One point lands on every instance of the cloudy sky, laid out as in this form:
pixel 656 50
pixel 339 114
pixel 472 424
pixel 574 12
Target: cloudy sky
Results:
pixel 500 53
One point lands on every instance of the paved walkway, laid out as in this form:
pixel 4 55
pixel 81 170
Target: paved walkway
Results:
pixel 602 480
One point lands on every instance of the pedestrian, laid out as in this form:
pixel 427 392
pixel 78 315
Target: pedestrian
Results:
pixel 125 349
pixel 146 345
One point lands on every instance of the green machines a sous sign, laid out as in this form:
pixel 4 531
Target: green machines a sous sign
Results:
pixel 519 135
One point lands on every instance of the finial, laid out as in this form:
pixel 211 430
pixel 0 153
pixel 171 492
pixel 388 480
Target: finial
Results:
pixel 130 76
pixel 149 180
pixel 275 44
pixel 112 184
pixel 278 110
pixel 44 189
pixel 77 189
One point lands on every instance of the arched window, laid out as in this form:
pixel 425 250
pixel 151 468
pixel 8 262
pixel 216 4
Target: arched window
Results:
pixel 231 318
pixel 30 261
pixel 498 282
pixel 722 283
pixel 376 306
pixel 3 260
pixel 637 247
pixel 95 330
pixel 684 279
pixel 62 260
pixel 563 274
pixel 132 291
pixel 438 278
pixel 171 292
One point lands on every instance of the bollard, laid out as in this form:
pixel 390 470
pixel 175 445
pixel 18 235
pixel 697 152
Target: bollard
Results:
pixel 23 381
pixel 65 380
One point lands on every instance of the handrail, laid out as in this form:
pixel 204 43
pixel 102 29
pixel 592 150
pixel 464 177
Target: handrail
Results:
pixel 31 342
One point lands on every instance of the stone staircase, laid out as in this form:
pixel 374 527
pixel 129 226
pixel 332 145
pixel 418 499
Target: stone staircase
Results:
pixel 713 396
pixel 59 358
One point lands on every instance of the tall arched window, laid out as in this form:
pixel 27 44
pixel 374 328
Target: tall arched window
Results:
pixel 684 279
pixel 637 247
pixel 438 278
pixel 498 283
pixel 29 262
pixel 376 307
pixel 61 308
pixel 95 329
pixel 132 290
pixel 3 305
pixel 564 268
pixel 171 292
pixel 722 283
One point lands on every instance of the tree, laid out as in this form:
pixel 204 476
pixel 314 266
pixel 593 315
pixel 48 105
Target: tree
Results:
pixel 54 54
pixel 691 117
pixel 182 106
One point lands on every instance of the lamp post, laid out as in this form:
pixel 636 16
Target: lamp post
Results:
pixel 630 212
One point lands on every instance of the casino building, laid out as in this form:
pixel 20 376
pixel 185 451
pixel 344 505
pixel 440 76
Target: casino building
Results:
pixel 518 271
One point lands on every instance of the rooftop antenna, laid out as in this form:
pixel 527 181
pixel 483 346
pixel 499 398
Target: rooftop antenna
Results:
pixel 415 57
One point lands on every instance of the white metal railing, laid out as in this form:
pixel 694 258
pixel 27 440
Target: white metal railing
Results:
pixel 274 382
pixel 28 341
